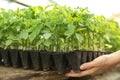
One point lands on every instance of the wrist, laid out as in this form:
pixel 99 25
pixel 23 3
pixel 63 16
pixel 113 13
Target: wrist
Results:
pixel 114 58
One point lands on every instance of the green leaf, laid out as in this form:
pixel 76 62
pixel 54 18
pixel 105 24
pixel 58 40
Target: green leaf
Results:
pixel 1 35
pixel 107 38
pixel 18 28
pixel 47 35
pixel 108 46
pixel 40 42
pixel 24 34
pixel 70 30
pixel 79 37
pixel 8 42
pixel 47 43
pixel 35 32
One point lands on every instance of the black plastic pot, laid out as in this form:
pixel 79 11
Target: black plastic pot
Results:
pixel 60 62
pixel 25 58
pixel 84 57
pixel 15 58
pixel 90 56
pixel 47 60
pixel 74 60
pixel 99 53
pixel 6 57
pixel 36 60
pixel 0 57
pixel 108 52
pixel 95 54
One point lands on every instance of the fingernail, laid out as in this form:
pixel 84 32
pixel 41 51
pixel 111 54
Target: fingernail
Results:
pixel 82 67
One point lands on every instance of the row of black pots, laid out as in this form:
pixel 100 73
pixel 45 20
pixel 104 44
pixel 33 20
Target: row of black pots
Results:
pixel 44 60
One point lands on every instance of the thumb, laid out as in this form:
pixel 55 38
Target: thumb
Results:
pixel 87 65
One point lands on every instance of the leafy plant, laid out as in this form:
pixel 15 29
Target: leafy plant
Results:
pixel 57 28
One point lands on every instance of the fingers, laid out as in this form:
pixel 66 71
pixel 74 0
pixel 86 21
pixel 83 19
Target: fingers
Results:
pixel 87 65
pixel 100 61
pixel 83 73
pixel 94 67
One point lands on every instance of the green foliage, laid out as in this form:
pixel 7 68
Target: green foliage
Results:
pixel 56 28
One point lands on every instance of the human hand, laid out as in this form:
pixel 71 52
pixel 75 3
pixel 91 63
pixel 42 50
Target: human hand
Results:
pixel 97 66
